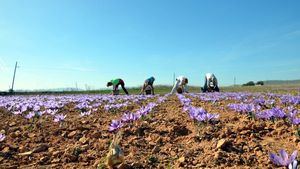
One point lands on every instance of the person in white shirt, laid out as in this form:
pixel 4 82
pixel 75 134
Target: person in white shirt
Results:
pixel 181 85
pixel 211 83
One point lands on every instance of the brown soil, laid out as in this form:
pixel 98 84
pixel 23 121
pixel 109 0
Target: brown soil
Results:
pixel 166 138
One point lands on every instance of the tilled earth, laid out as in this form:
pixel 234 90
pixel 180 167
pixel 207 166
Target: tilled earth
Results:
pixel 166 138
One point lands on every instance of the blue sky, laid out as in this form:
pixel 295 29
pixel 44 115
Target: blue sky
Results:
pixel 59 43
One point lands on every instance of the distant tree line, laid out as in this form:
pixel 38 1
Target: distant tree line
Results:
pixel 251 83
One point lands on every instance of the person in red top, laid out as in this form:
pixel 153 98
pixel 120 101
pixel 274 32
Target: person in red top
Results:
pixel 115 83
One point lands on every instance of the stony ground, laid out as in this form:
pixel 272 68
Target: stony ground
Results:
pixel 166 138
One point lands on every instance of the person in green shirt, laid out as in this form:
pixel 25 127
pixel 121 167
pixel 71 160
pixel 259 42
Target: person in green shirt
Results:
pixel 148 86
pixel 115 83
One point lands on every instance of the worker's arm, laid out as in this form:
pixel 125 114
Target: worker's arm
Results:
pixel 175 87
pixel 143 89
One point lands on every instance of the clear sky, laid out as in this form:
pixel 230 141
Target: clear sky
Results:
pixel 59 43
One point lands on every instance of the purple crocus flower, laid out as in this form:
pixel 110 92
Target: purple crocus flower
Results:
pixel 292 116
pixel 283 158
pixel 30 115
pixel 36 108
pixel 17 112
pixel 115 125
pixel 85 113
pixel 59 117
pixel 293 165
pixel 206 117
pixel 2 137
pixel 271 113
pixel 129 117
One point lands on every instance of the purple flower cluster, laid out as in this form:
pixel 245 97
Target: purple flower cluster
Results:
pixel 273 113
pixel 30 115
pixel 198 114
pixel 243 107
pixel 131 117
pixel 283 159
pixel 292 116
pixel 288 99
pixel 86 113
pixel 59 118
pixel 115 125
pixel 115 106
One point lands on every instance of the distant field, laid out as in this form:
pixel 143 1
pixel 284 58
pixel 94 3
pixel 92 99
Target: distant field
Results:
pixel 293 89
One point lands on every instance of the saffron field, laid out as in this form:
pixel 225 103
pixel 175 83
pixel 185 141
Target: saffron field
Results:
pixel 194 130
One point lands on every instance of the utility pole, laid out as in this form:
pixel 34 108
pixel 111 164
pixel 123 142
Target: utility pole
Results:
pixel 76 86
pixel 13 81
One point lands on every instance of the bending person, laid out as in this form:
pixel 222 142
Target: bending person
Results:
pixel 115 83
pixel 148 86
pixel 210 84
pixel 181 85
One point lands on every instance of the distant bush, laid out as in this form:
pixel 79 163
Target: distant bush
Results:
pixel 260 83
pixel 251 83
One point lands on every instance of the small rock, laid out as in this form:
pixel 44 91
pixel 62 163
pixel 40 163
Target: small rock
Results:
pixel 83 140
pixel 84 122
pixel 181 160
pixel 44 160
pixel 224 144
pixel 55 153
pixel 219 155
pixel 72 134
pixel 63 134
pixel 244 132
pixel 31 135
pixel 84 148
pixel 26 153
pixel 5 150
pixel 259 153
pixel 56 160
pixel 221 143
pixel 12 124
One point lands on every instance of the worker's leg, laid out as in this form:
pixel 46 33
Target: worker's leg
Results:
pixel 217 89
pixel 123 87
pixel 152 89
pixel 205 88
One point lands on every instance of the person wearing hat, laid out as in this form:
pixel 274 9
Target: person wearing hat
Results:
pixel 115 83
pixel 181 85
pixel 210 84
pixel 148 86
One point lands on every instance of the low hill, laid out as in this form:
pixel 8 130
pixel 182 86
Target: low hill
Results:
pixel 282 82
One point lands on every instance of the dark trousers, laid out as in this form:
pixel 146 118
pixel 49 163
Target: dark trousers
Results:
pixel 123 86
